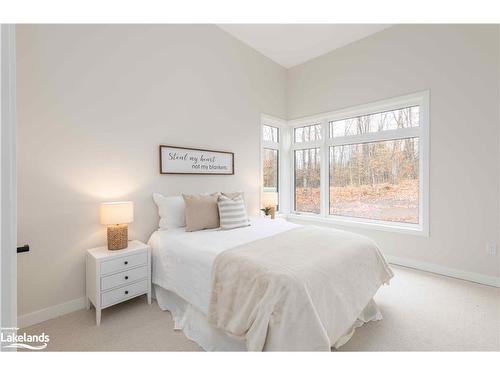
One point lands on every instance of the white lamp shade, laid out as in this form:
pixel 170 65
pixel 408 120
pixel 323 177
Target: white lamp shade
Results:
pixel 117 212
pixel 269 199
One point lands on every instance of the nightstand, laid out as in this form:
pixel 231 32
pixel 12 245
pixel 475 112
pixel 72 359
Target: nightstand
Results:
pixel 118 275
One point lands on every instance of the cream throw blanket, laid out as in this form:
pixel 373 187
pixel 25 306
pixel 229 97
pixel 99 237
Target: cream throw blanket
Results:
pixel 298 290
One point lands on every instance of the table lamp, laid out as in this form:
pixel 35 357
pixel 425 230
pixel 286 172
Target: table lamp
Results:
pixel 269 202
pixel 117 215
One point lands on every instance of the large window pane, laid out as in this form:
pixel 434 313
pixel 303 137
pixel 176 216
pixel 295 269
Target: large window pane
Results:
pixel 308 133
pixel 307 180
pixel 390 120
pixel 377 180
pixel 270 133
pixel 270 170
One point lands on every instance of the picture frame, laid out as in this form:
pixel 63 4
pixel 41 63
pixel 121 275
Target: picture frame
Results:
pixel 180 160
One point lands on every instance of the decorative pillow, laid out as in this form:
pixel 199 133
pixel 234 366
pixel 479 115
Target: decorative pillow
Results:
pixel 171 211
pixel 235 195
pixel 232 213
pixel 201 211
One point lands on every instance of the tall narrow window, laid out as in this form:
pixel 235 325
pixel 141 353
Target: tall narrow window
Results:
pixel 270 170
pixel 307 180
pixel 307 168
pixel 270 158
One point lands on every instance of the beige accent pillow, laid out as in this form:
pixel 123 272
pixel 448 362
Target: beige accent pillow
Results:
pixel 202 211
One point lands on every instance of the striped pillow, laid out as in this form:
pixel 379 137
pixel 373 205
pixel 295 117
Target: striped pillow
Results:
pixel 232 213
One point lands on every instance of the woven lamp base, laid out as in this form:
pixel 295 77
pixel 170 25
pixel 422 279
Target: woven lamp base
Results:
pixel 117 237
pixel 272 212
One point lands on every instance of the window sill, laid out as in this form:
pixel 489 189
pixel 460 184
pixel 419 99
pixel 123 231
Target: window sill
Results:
pixel 360 223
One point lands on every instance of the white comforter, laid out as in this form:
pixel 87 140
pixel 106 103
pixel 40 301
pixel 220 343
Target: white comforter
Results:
pixel 302 290
pixel 182 261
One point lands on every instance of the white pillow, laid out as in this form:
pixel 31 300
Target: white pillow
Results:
pixel 171 211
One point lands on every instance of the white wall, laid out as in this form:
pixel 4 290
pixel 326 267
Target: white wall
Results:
pixel 94 103
pixel 459 65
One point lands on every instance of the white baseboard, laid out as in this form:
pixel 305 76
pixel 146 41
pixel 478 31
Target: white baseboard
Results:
pixel 445 271
pixel 51 312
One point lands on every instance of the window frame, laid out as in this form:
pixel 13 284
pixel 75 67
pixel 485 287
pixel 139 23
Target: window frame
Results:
pixel 275 122
pixel 294 187
pixel 306 126
pixel 422 132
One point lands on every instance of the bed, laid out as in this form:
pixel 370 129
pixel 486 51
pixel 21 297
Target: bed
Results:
pixel 212 283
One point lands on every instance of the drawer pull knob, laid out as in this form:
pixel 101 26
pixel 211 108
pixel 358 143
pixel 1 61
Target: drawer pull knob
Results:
pixel 126 262
pixel 126 277
pixel 126 292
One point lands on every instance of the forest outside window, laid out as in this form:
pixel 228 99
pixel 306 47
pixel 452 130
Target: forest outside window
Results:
pixel 308 133
pixel 270 170
pixel 270 134
pixel 376 180
pixel 365 165
pixel 307 180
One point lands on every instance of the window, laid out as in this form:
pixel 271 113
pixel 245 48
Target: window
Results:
pixel 270 158
pixel 307 180
pixel 270 170
pixel 376 180
pixel 307 168
pixel 270 133
pixel 308 133
pixel 365 166
pixel 377 122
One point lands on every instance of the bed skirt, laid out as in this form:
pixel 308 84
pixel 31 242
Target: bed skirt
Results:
pixel 195 325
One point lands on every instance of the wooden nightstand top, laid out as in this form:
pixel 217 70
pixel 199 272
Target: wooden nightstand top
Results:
pixel 103 252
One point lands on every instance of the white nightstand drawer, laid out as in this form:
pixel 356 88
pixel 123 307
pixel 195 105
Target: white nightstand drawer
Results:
pixel 123 263
pixel 124 277
pixel 123 293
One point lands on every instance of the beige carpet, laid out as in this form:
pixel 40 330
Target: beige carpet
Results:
pixel 422 312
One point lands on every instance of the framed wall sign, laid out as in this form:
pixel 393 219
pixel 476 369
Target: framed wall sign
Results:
pixel 183 160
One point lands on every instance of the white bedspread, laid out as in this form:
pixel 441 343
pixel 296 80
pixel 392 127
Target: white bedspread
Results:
pixel 182 261
pixel 301 290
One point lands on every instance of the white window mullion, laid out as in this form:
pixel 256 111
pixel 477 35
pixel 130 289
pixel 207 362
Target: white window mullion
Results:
pixel 284 171
pixel 291 169
pixel 307 145
pixel 324 169
pixel 271 145
pixel 375 137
